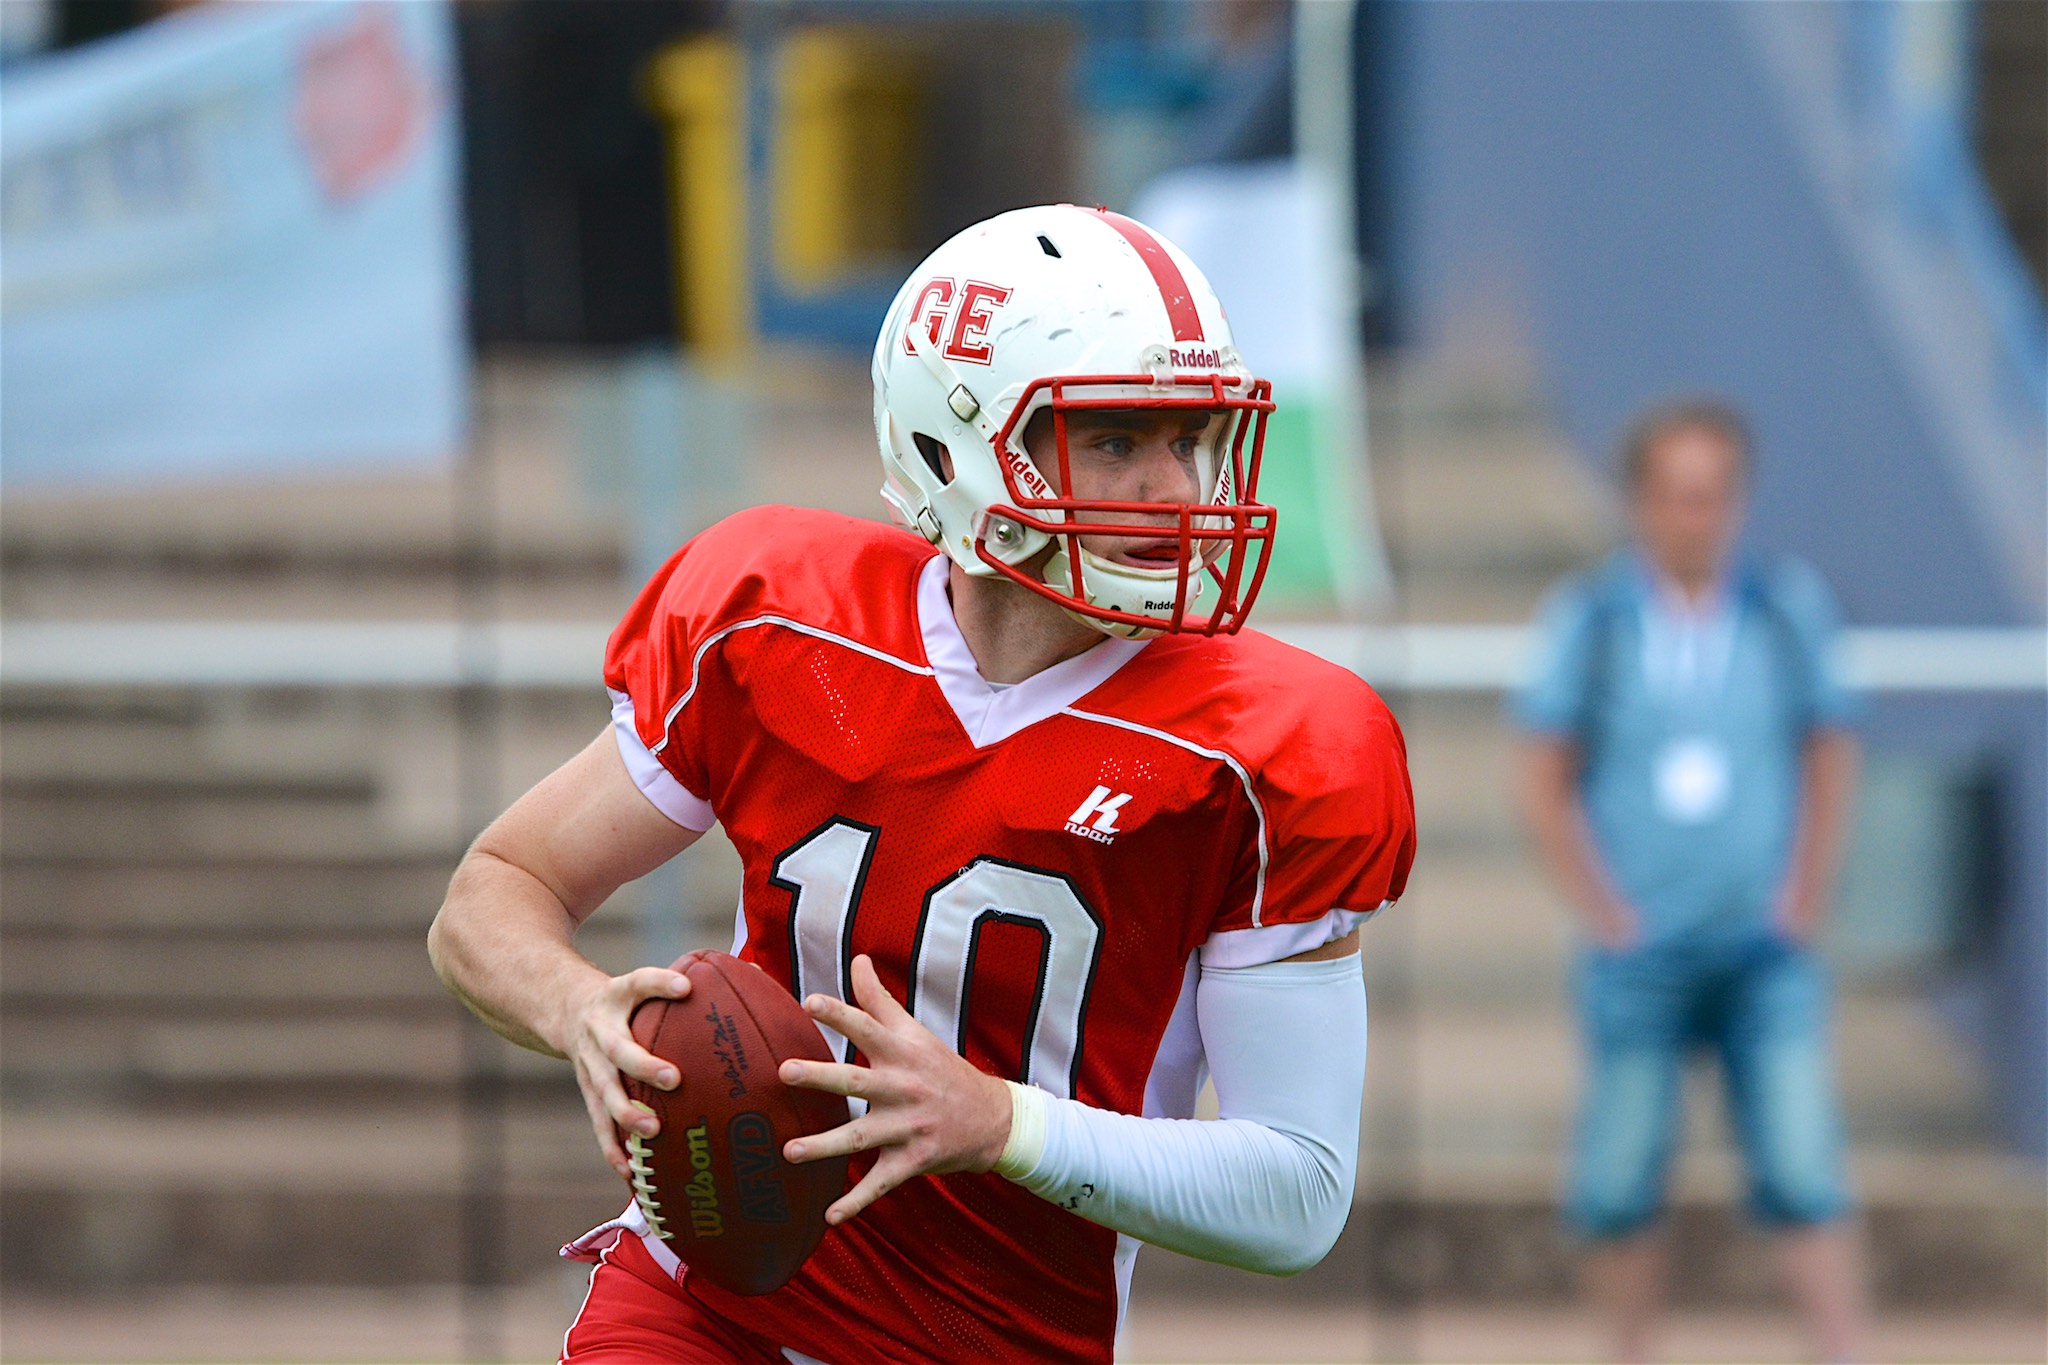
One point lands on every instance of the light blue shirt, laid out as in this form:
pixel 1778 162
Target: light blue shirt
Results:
pixel 1691 725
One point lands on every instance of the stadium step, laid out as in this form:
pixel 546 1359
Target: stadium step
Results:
pixel 270 893
pixel 226 818
pixel 520 527
pixel 40 973
pixel 236 1018
pixel 373 1196
pixel 366 1195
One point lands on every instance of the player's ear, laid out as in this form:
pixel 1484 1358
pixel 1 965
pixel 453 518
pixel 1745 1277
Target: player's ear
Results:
pixel 936 455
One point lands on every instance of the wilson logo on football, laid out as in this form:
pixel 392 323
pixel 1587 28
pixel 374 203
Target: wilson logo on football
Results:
pixel 1095 818
pixel 702 1188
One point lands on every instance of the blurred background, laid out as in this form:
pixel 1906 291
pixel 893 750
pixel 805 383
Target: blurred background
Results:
pixel 357 360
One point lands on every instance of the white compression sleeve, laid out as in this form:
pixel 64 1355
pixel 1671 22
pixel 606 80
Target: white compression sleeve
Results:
pixel 1267 1185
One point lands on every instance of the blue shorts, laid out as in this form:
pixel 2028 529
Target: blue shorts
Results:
pixel 1761 1005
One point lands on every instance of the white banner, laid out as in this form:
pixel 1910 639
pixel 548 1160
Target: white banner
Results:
pixel 1271 238
pixel 230 243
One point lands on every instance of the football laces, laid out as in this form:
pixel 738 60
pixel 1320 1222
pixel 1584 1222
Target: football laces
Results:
pixel 643 1186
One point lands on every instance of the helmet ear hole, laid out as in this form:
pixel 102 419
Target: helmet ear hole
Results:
pixel 935 455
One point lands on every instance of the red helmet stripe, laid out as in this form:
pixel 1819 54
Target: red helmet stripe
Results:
pixel 1173 286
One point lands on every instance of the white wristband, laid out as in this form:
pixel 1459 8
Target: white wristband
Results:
pixel 1027 1132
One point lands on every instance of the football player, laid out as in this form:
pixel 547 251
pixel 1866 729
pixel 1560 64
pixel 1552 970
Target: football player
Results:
pixel 1036 833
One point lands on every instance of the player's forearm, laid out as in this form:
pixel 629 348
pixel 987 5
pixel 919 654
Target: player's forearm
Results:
pixel 1267 1187
pixel 502 945
pixel 1241 1194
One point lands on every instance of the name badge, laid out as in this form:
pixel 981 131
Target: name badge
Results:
pixel 1692 780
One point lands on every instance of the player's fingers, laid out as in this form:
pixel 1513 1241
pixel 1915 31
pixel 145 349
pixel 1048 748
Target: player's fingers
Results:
pixel 649 983
pixel 873 996
pixel 629 1057
pixel 608 1143
pixel 836 1077
pixel 602 1083
pixel 869 1036
pixel 860 1135
pixel 885 1175
pixel 631 1115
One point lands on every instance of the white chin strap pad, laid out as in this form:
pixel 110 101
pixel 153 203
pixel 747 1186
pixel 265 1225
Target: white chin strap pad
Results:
pixel 1120 587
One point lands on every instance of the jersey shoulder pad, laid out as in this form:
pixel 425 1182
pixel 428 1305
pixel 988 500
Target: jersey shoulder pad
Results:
pixel 1274 707
pixel 819 572
pixel 820 569
pixel 1322 755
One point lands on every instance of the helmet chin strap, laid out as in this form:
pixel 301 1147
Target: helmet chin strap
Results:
pixel 965 406
pixel 1113 586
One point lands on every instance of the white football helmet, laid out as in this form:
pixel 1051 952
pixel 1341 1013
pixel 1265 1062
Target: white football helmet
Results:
pixel 1063 309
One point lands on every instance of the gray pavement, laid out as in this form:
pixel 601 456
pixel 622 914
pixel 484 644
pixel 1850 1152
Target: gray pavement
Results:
pixel 429 1324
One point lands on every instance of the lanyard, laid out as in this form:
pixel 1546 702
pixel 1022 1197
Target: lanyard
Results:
pixel 1687 654
pixel 1686 659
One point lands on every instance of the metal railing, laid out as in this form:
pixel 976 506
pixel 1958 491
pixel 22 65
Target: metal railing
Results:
pixel 1421 657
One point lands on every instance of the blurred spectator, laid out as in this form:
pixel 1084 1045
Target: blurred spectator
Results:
pixel 1687 778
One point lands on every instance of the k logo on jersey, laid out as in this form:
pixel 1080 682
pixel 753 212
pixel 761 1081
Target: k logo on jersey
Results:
pixel 1095 818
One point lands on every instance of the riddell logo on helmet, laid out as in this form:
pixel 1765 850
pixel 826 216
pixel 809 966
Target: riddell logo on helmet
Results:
pixel 1194 358
pixel 1028 477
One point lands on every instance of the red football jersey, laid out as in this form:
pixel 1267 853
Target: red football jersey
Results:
pixel 1035 870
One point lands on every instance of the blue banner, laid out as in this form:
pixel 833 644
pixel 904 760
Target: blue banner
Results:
pixel 230 244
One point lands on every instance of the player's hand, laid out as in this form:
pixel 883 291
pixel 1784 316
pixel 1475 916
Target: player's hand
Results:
pixel 930 1110
pixel 1798 916
pixel 1614 926
pixel 598 1038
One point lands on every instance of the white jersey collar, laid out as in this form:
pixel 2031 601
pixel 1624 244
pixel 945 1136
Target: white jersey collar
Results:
pixel 990 714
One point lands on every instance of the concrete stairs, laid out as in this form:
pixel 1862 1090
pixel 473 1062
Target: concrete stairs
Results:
pixel 223 1055
pixel 224 1058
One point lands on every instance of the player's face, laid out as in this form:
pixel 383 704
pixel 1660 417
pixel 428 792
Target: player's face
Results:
pixel 1689 503
pixel 1127 456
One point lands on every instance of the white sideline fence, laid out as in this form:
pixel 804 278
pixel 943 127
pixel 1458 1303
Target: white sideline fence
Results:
pixel 535 655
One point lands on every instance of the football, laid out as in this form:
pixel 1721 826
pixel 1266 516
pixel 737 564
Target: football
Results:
pixel 713 1182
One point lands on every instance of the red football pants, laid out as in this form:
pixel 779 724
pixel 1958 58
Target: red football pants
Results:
pixel 635 1313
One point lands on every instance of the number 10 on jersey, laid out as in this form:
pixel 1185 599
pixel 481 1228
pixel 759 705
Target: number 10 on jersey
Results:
pixel 825 872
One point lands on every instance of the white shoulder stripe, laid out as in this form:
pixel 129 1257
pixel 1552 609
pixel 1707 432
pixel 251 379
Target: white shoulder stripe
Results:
pixel 697 661
pixel 655 782
pixel 1251 793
